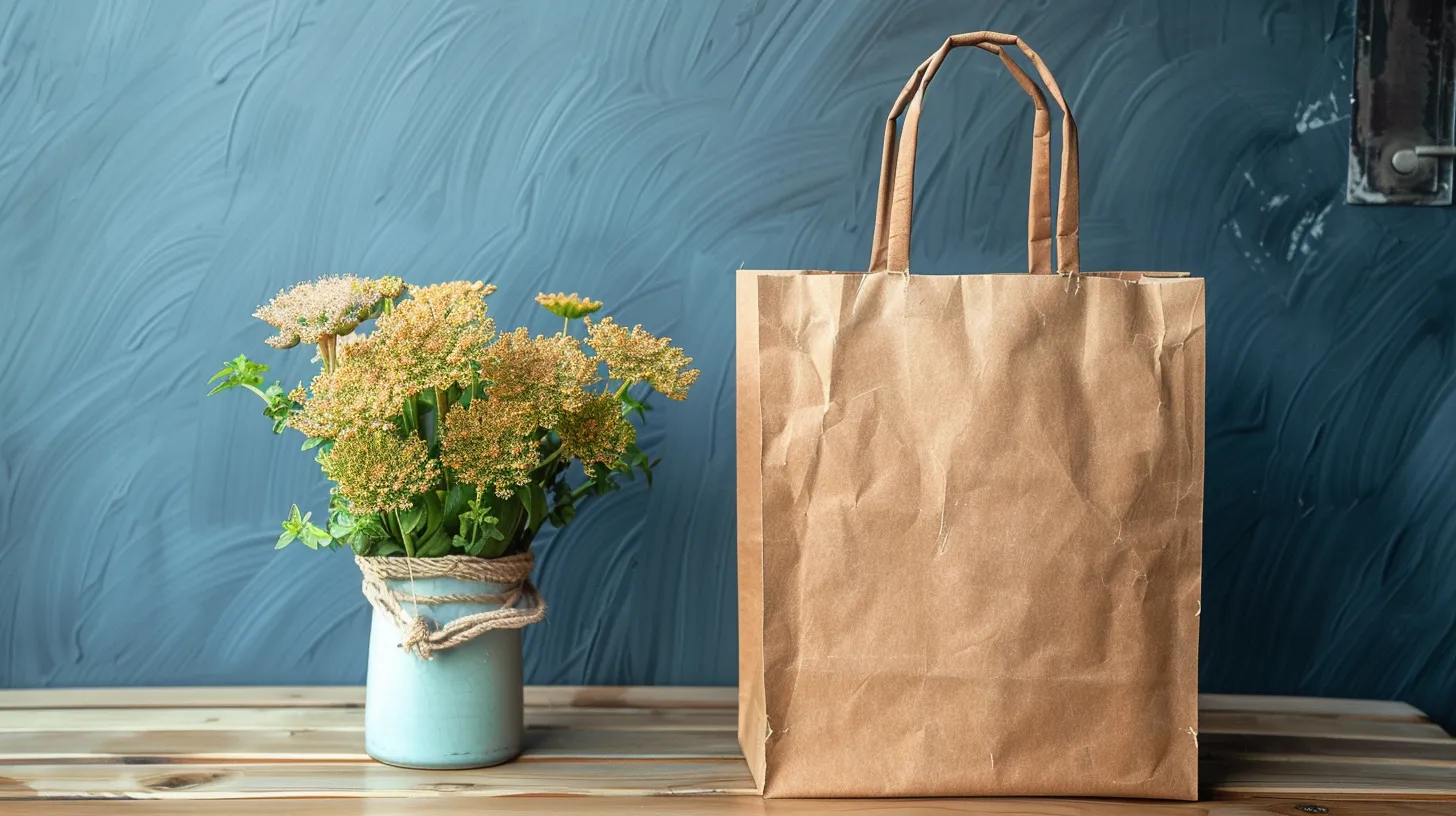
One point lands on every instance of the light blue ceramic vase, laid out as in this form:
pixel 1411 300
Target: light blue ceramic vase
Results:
pixel 461 709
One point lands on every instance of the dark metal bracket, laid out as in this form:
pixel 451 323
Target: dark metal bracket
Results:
pixel 1401 133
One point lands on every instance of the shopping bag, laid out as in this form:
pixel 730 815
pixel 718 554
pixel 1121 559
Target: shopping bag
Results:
pixel 970 511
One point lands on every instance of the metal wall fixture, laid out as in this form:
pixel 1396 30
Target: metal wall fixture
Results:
pixel 1401 132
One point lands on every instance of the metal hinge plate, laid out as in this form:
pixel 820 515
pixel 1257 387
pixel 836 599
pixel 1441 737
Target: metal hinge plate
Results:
pixel 1401 109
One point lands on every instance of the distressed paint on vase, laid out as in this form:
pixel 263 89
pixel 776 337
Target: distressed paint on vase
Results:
pixel 463 708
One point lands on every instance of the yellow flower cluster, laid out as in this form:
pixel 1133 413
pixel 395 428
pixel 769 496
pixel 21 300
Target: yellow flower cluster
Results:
pixel 441 338
pixel 548 373
pixel 636 356
pixel 364 390
pixel 430 340
pixel 330 306
pixel 596 431
pixel 570 306
pixel 378 471
pixel 491 444
pixel 390 286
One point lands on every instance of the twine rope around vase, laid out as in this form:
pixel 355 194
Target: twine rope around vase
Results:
pixel 520 605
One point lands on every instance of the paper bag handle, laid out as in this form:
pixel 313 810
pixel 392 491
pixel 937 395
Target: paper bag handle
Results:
pixel 897 180
pixel 1039 232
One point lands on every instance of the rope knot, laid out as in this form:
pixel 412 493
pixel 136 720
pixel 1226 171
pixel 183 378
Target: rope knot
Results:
pixel 520 604
pixel 417 636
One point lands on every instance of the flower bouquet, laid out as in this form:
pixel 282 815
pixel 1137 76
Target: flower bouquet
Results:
pixel 451 445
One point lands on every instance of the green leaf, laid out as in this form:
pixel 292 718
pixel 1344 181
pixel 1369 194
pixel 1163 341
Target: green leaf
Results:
pixel 533 500
pixel 411 415
pixel 435 511
pixel 389 547
pixel 631 405
pixel 372 526
pixel 602 480
pixel 293 528
pixel 508 517
pixel 410 519
pixel 237 372
pixel 279 408
pixel 562 514
pixel 313 537
pixel 433 546
pixel 457 499
pixel 313 442
pixel 494 548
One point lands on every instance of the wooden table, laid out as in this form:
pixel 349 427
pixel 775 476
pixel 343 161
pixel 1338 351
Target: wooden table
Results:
pixel 663 750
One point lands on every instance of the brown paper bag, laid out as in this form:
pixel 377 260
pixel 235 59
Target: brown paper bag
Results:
pixel 970 513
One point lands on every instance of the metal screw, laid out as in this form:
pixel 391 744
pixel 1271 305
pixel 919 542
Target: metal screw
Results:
pixel 1311 809
pixel 1409 159
pixel 1404 161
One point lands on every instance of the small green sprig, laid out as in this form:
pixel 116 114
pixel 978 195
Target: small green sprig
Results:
pixel 299 528
pixel 240 372
pixel 484 539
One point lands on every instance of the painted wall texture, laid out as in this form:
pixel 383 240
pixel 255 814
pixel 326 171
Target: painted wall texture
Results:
pixel 166 166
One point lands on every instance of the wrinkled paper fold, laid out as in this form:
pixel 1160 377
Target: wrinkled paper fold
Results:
pixel 970 519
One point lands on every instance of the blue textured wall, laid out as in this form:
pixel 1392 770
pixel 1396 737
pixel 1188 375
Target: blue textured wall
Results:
pixel 166 166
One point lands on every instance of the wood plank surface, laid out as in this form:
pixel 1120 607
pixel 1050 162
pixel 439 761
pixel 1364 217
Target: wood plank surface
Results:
pixel 296 718
pixel 265 780
pixel 654 697
pixel 723 806
pixel 307 745
pixel 1299 725
pixel 1244 777
pixel 341 719
pixel 271 750
pixel 207 744
pixel 1369 750
pixel 600 697
pixel 1311 706
pixel 1324 778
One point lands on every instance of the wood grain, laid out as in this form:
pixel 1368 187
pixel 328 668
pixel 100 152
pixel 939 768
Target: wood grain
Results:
pixel 1300 725
pixel 340 719
pixel 273 750
pixel 1310 706
pixel 1325 778
pixel 1243 777
pixel 309 745
pixel 653 697
pixel 1372 750
pixel 601 697
pixel 264 780
pixel 721 806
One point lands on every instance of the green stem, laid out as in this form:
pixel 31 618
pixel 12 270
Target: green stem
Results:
pixel 622 390
pixel 566 325
pixel 326 351
pixel 440 405
pixel 412 422
pixel 261 395
pixel 575 494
